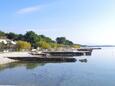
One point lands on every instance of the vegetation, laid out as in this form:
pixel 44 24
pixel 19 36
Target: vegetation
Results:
pixel 23 45
pixel 63 40
pixel 31 39
pixel 11 36
pixel 44 45
pixel 76 46
pixel 2 34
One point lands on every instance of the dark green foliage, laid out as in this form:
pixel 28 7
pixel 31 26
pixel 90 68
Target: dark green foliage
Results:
pixel 33 38
pixel 44 38
pixel 60 40
pixel 63 40
pixel 11 36
pixel 20 37
pixel 14 36
pixel 67 42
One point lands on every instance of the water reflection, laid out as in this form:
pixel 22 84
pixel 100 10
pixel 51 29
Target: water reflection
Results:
pixel 83 60
pixel 98 70
pixel 27 65
pixel 32 65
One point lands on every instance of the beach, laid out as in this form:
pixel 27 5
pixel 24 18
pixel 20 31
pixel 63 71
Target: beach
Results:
pixel 4 59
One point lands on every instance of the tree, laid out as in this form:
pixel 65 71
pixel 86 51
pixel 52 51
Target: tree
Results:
pixel 47 39
pixel 60 40
pixel 23 45
pixel 63 40
pixel 20 37
pixel 31 37
pixel 12 36
pixel 67 42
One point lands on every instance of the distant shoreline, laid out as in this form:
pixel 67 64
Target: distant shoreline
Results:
pixel 101 46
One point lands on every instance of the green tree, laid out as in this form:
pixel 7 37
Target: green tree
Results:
pixel 63 40
pixel 12 36
pixel 20 37
pixel 32 37
pixel 60 40
pixel 23 45
pixel 47 39
pixel 67 42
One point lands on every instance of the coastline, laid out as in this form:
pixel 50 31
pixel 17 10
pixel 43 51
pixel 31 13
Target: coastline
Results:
pixel 5 60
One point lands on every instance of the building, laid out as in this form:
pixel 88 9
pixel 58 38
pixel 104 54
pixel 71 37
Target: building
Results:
pixel 7 45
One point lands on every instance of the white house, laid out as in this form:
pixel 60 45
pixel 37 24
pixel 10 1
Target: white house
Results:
pixel 7 45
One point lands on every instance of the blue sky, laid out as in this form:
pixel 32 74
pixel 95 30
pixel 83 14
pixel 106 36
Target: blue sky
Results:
pixel 82 21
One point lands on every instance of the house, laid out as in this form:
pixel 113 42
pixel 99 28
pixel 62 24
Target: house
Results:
pixel 7 45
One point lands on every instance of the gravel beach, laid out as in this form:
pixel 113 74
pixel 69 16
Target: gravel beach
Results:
pixel 4 59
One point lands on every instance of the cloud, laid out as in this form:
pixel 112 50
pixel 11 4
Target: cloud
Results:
pixel 28 10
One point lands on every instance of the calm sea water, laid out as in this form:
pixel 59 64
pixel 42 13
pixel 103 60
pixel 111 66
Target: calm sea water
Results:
pixel 95 70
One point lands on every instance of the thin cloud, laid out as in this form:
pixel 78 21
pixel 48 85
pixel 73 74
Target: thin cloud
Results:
pixel 28 10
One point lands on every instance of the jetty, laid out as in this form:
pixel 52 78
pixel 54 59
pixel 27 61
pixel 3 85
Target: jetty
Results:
pixel 44 59
pixel 77 52
pixel 68 53
pixel 55 56
pixel 52 56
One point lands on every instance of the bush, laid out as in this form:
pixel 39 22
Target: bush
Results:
pixel 76 46
pixel 44 45
pixel 23 45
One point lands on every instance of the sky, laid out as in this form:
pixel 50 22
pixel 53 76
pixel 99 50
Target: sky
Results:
pixel 87 22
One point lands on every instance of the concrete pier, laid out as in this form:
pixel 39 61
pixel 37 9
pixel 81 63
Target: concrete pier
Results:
pixel 73 53
pixel 44 59
pixel 56 56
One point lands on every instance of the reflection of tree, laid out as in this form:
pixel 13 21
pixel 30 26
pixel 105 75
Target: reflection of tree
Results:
pixel 34 65
pixel 6 66
pixel 28 65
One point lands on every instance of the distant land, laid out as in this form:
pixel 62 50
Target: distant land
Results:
pixel 100 45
